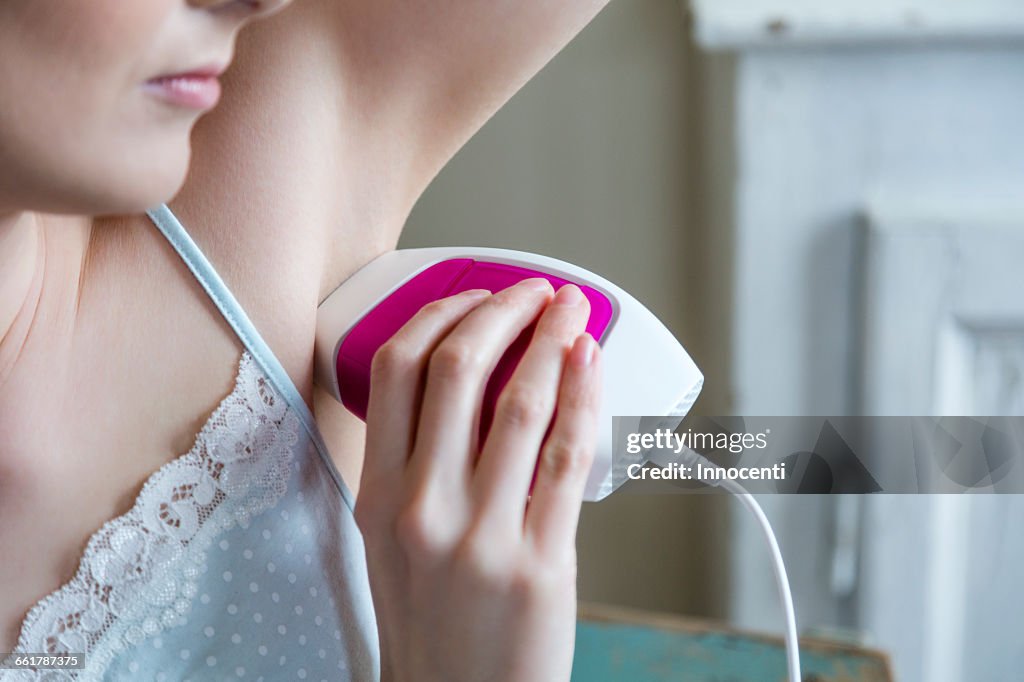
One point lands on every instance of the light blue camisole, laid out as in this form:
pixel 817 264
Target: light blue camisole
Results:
pixel 240 560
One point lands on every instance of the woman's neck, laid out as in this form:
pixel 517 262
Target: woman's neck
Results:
pixel 41 255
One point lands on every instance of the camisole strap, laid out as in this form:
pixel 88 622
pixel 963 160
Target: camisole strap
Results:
pixel 232 311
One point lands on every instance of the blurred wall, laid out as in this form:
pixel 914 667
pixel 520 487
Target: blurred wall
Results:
pixel 594 162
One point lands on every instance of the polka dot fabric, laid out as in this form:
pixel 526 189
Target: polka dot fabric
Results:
pixel 285 598
pixel 280 594
pixel 278 600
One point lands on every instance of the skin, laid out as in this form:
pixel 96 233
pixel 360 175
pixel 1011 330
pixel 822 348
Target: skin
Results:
pixel 335 117
pixel 78 133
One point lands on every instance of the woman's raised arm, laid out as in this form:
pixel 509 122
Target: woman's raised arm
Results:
pixel 335 117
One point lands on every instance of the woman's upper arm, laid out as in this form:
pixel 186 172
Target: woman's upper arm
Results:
pixel 337 114
pixel 445 67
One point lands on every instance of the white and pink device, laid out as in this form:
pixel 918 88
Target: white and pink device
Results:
pixel 645 369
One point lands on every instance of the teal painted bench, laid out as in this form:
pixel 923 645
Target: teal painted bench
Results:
pixel 621 645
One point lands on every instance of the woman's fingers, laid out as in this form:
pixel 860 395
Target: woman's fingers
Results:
pixel 440 571
pixel 396 382
pixel 524 409
pixel 457 375
pixel 554 507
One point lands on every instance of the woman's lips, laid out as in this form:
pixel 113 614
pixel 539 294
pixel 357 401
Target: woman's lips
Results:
pixel 193 90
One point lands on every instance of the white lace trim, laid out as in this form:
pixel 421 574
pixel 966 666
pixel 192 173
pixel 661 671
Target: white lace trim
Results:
pixel 138 574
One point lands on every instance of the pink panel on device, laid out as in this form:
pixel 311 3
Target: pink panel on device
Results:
pixel 439 281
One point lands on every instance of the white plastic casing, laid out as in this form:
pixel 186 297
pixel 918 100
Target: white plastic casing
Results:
pixel 645 370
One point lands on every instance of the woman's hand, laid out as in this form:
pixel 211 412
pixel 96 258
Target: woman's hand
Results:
pixel 474 578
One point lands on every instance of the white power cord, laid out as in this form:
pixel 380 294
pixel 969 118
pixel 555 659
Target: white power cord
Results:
pixel 779 566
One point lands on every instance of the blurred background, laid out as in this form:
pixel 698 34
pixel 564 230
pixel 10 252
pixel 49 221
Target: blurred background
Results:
pixel 825 203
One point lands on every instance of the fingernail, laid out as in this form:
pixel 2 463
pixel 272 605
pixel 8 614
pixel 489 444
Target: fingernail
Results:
pixel 569 294
pixel 473 294
pixel 582 353
pixel 537 284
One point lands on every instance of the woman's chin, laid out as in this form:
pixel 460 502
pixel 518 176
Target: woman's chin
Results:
pixel 130 190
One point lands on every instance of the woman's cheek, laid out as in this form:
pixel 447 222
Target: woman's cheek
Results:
pixel 70 75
